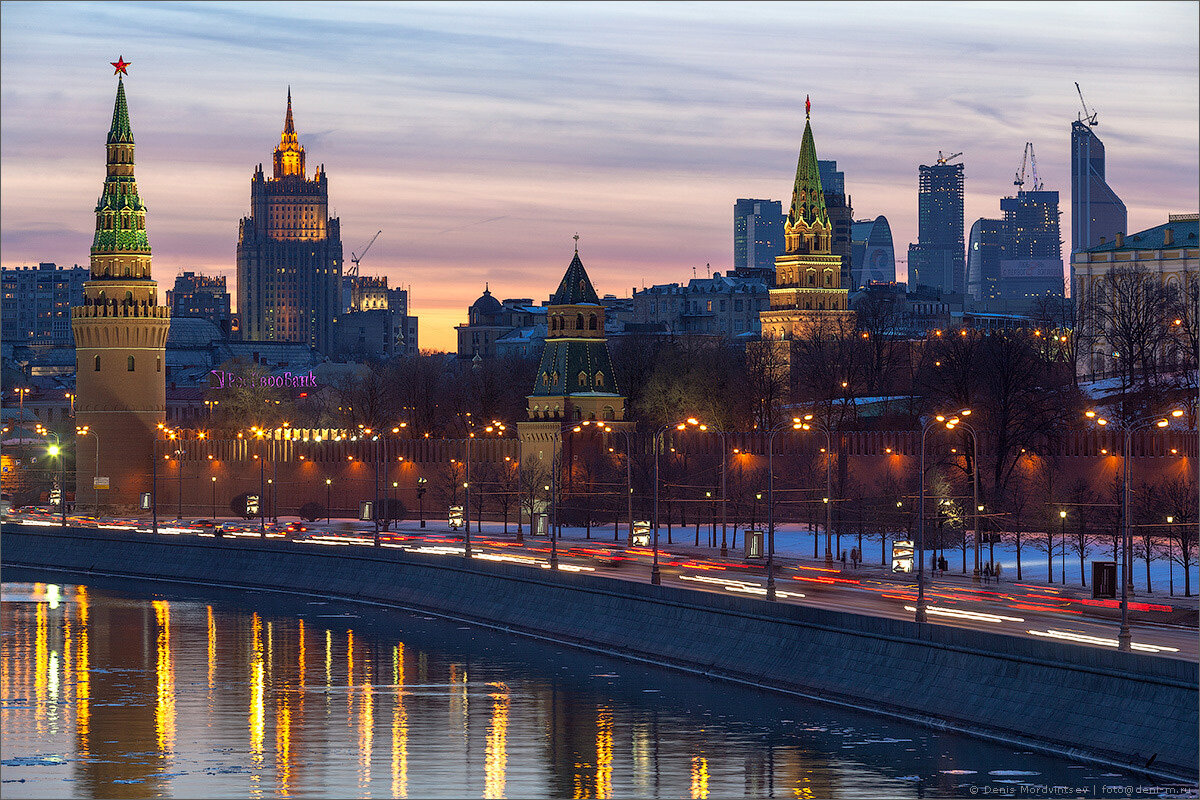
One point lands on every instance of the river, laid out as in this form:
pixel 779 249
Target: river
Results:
pixel 112 689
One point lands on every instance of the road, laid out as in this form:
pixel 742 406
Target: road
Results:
pixel 1010 608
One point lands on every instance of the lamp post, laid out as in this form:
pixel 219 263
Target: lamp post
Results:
pixel 495 427
pixel 724 493
pixel 628 468
pixel 262 485
pixel 56 450
pixel 958 422
pixel 655 576
pixel 1062 528
pixel 71 396
pixel 214 498
pixel 85 430
pixel 1125 636
pixel 421 500
pixel 1170 557
pixel 795 424
pixel 328 500
pixel 807 424
pixel 940 419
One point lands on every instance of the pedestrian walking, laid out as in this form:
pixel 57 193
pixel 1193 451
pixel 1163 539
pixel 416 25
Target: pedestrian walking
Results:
pixel 997 572
pixel 854 558
pixel 942 564
pixel 843 561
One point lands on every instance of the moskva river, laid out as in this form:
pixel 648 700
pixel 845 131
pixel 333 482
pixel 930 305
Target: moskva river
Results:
pixel 113 690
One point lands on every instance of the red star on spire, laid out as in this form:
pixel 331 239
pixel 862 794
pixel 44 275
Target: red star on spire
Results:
pixel 120 64
pixel 807 106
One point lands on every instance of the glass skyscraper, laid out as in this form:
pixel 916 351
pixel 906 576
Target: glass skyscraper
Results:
pixel 937 259
pixel 1096 211
pixel 757 238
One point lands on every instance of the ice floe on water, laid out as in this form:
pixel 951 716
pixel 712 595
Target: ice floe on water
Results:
pixel 1012 772
pixel 958 772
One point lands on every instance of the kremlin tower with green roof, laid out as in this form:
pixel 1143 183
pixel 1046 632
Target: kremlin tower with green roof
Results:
pixel 120 337
pixel 808 291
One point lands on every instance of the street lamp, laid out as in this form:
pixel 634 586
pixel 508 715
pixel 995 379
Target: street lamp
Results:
pixel 940 419
pixel 85 430
pixel 724 493
pixel 795 424
pixel 56 450
pixel 1125 636
pixel 328 499
pixel 498 428
pixel 214 498
pixel 655 576
pixel 628 467
pixel 958 422
pixel 1062 527
pixel 421 500
pixel 1170 556
pixel 807 424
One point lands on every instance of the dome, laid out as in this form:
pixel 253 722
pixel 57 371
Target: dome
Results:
pixel 485 306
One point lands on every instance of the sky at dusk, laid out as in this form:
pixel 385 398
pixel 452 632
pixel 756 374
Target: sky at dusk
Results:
pixel 481 138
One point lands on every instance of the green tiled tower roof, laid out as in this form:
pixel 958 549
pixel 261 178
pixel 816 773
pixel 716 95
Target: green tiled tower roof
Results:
pixel 576 287
pixel 120 213
pixel 808 201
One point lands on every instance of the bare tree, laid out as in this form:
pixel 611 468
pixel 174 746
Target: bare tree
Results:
pixel 1128 314
pixel 1178 500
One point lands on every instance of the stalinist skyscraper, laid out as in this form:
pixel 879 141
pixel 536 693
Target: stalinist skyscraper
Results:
pixel 120 335
pixel 289 255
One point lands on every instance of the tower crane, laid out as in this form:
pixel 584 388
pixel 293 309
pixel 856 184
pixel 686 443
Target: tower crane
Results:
pixel 1028 158
pixel 1086 116
pixel 353 271
pixel 946 159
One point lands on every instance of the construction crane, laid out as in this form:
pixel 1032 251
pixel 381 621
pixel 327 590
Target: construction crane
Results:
pixel 1028 158
pixel 945 159
pixel 353 271
pixel 1086 116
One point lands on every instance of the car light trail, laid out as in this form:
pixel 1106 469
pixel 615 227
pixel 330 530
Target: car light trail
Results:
pixel 731 585
pixel 1084 639
pixel 972 615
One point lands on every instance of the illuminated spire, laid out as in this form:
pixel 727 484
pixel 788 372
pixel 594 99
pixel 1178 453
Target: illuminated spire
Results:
pixel 808 200
pixel 120 132
pixel 289 155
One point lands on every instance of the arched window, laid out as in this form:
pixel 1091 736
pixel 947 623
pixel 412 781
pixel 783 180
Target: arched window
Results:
pixel 578 412
pixel 545 379
pixel 812 279
pixel 158 364
pixel 599 380
pixel 828 278
pixel 129 364
pixel 583 379
pixel 592 323
pixel 579 322
pixel 608 413
pixel 96 363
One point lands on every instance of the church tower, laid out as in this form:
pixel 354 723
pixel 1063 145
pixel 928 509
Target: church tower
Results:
pixel 289 253
pixel 575 380
pixel 120 336
pixel 808 289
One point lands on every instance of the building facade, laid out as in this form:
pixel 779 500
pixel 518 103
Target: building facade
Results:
pixel 120 339
pixel 841 215
pixel 289 255
pixel 1170 252
pixel 1096 210
pixel 723 305
pixel 757 238
pixel 872 253
pixel 37 301
pixel 808 289
pixel 937 259
pixel 201 297
pixel 489 320
pixel 374 321
pixel 985 251
pixel 1032 263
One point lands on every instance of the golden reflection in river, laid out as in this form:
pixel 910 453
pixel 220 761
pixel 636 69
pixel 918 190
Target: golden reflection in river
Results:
pixel 41 658
pixel 699 777
pixel 164 670
pixel 604 752
pixel 212 656
pixel 82 677
pixel 399 726
pixel 257 712
pixel 495 762
pixel 283 745
pixel 459 703
pixel 366 729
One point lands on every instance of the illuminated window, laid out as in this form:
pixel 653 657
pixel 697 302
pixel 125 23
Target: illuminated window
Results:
pixel 583 379
pixel 599 379
pixel 96 363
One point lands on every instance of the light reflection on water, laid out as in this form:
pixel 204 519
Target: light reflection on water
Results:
pixel 115 692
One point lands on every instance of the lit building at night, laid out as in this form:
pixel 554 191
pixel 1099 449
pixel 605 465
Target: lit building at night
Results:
pixel 985 250
pixel 201 297
pixel 289 255
pixel 120 336
pixel 937 259
pixel 757 238
pixel 808 289
pixel 1031 266
pixel 872 253
pixel 37 303
pixel 841 215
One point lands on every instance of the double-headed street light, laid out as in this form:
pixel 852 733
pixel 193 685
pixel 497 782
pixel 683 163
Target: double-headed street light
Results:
pixel 1125 636
pixel 949 424
pixel 796 424
pixel 724 494
pixel 959 423
pixel 808 424
pixel 606 428
pixel 498 428
pixel 85 430
pixel 56 450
